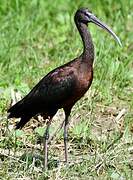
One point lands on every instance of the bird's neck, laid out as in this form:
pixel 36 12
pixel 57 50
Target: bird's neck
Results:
pixel 88 51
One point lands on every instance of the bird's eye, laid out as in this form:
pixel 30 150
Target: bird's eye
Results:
pixel 88 14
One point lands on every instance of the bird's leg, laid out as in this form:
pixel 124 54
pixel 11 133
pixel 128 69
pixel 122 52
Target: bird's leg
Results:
pixel 67 113
pixel 46 137
pixel 66 140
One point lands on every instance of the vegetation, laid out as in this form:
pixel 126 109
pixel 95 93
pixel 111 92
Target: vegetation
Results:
pixel 37 36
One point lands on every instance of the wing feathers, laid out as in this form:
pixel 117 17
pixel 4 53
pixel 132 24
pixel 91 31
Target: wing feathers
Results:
pixel 50 92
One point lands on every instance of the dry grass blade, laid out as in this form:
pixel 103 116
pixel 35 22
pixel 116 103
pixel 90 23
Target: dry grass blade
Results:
pixel 120 115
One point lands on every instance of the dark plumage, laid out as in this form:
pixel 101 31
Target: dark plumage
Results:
pixel 64 86
pixel 61 88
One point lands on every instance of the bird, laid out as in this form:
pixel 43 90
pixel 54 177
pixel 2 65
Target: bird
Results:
pixel 64 86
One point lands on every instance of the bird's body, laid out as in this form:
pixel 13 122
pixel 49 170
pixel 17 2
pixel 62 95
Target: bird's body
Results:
pixel 64 86
pixel 61 88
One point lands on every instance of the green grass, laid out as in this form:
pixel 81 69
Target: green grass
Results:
pixel 37 36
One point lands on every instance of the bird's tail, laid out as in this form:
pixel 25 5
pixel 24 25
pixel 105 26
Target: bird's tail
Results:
pixel 16 110
pixel 19 110
pixel 22 122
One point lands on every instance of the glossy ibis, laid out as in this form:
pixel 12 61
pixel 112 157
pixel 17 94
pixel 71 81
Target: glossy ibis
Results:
pixel 63 86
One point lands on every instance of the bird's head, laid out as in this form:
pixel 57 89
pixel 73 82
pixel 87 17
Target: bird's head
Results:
pixel 83 15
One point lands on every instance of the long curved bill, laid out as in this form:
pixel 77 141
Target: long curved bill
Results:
pixel 96 21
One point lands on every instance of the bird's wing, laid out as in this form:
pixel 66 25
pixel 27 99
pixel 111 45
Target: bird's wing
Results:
pixel 54 88
pixel 51 91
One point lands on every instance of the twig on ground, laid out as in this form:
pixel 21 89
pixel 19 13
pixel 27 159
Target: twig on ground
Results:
pixel 119 116
pixel 57 130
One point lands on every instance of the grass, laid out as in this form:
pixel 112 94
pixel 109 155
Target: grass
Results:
pixel 37 36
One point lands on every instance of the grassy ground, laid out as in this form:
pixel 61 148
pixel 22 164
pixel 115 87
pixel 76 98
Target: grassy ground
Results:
pixel 37 36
